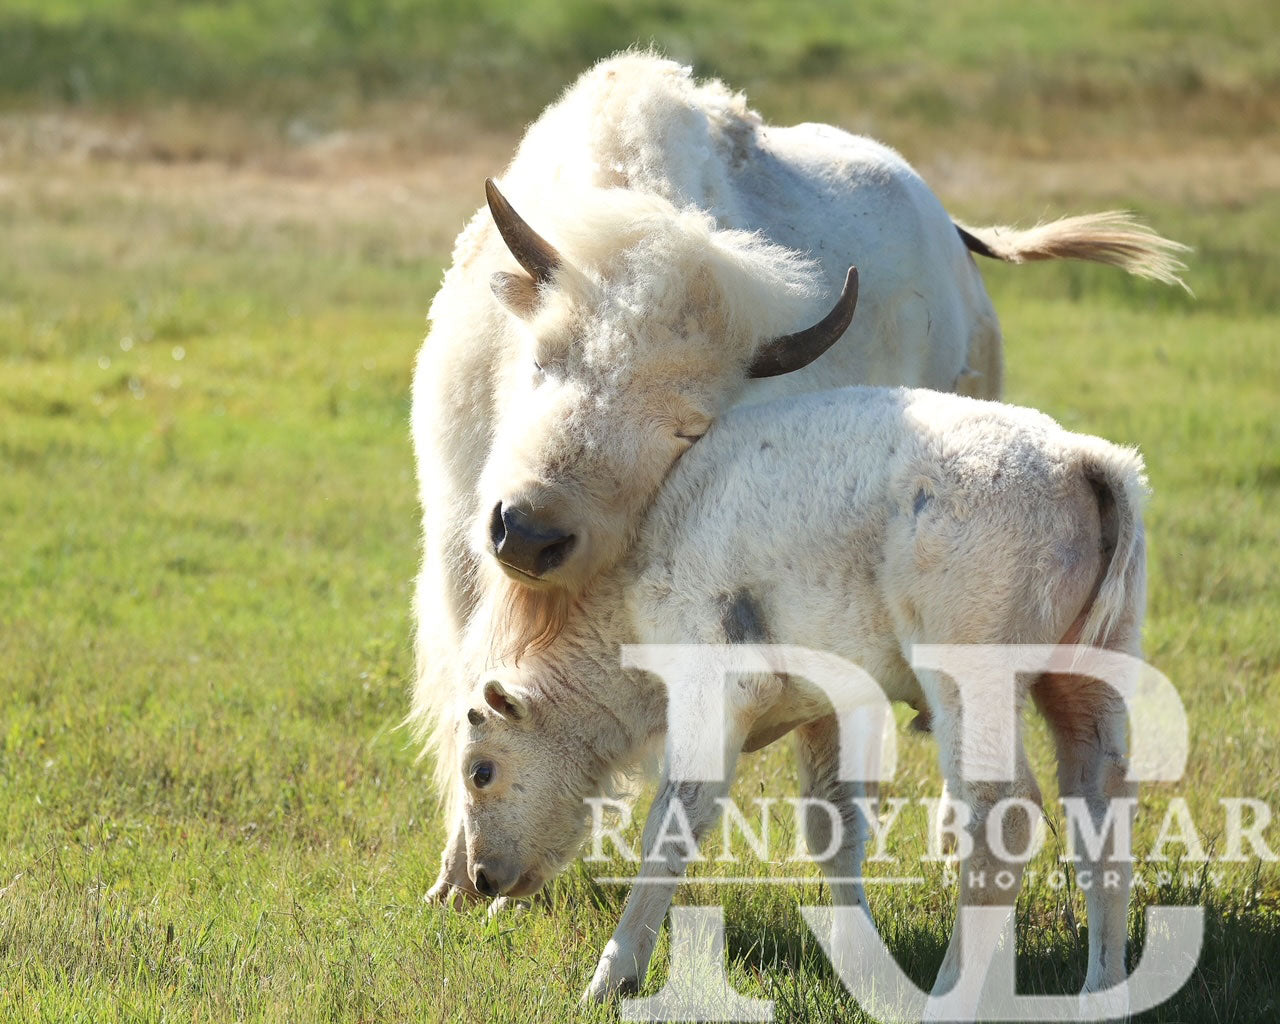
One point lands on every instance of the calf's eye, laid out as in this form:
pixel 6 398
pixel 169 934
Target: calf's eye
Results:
pixel 481 774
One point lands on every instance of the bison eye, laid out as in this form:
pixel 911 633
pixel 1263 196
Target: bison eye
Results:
pixel 692 428
pixel 481 774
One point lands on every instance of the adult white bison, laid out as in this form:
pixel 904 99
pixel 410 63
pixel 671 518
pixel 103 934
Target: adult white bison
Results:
pixel 859 523
pixel 681 248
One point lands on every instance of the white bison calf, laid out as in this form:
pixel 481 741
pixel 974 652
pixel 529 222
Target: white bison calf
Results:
pixel 858 522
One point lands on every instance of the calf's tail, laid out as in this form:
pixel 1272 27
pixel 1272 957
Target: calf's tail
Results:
pixel 1119 485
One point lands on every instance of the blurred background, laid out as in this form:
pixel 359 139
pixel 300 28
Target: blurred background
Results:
pixel 221 226
pixel 1019 74
pixel 1011 109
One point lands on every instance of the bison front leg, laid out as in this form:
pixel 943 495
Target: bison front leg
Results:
pixel 680 816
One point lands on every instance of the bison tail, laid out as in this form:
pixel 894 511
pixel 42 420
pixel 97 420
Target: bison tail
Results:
pixel 1115 238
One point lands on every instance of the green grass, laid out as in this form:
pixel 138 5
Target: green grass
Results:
pixel 206 805
pixel 207 515
pixel 205 558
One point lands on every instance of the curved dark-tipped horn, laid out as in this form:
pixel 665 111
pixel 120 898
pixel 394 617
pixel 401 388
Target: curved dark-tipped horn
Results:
pixel 531 250
pixel 796 351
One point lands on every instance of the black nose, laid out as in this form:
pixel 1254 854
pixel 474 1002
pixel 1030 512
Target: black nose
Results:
pixel 525 544
pixel 483 885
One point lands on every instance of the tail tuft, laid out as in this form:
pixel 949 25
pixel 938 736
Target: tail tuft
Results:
pixel 1115 238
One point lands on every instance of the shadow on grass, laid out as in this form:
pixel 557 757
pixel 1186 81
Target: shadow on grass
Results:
pixel 1237 977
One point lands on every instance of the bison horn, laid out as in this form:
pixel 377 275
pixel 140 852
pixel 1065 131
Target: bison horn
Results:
pixel 796 351
pixel 531 250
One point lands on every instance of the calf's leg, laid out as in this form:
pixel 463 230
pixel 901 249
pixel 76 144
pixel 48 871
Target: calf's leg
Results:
pixel 1089 727
pixel 625 959
pixel 988 878
pixel 818 753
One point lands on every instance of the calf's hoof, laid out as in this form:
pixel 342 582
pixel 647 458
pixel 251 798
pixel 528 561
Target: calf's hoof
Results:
pixel 610 981
pixel 1108 1004
pixel 505 906
pixel 446 895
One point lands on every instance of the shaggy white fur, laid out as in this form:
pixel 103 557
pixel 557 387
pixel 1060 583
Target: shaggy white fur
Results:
pixel 690 232
pixel 857 523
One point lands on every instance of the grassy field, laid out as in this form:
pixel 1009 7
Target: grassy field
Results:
pixel 220 228
pixel 1027 75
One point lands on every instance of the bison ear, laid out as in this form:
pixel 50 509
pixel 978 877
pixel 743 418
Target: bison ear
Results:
pixel 507 704
pixel 518 292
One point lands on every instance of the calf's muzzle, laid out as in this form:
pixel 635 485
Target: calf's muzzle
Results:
pixel 493 879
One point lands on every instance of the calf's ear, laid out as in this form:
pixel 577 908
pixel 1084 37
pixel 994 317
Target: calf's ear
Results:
pixel 503 701
pixel 517 292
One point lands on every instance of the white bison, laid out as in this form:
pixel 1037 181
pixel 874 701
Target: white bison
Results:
pixel 681 247
pixel 858 522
